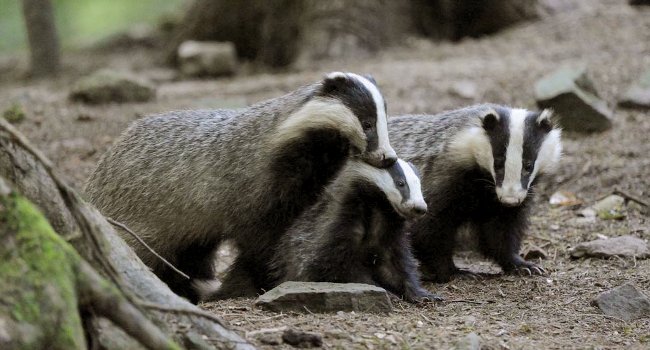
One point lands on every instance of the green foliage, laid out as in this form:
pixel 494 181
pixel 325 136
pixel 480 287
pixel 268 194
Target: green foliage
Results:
pixel 15 114
pixel 82 21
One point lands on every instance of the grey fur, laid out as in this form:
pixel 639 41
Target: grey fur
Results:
pixel 185 181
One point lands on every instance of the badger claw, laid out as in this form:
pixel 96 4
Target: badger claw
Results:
pixel 538 270
pixel 527 270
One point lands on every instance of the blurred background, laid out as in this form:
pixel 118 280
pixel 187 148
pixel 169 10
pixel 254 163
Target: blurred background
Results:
pixel 75 73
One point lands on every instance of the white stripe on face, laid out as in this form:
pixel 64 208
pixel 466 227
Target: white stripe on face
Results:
pixel 511 192
pixel 383 144
pixel 549 155
pixel 413 182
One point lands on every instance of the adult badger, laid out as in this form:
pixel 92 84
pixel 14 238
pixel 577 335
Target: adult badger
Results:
pixel 354 233
pixel 186 181
pixel 479 167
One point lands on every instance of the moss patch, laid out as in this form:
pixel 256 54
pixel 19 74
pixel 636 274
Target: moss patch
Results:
pixel 37 276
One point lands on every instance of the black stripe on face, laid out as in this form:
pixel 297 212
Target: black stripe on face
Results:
pixel 399 180
pixel 498 132
pixel 354 95
pixel 534 135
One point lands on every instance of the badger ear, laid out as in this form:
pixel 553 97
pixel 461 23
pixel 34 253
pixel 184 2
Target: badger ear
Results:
pixel 370 78
pixel 334 81
pixel 545 120
pixel 489 120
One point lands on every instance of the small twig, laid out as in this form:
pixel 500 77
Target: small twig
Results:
pixel 197 312
pixel 125 228
pixel 469 301
pixel 304 306
pixel 631 197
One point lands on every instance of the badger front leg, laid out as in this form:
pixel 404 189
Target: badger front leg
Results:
pixel 500 239
pixel 396 271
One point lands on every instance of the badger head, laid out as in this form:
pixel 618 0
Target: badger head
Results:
pixel 400 183
pixel 515 146
pixel 366 110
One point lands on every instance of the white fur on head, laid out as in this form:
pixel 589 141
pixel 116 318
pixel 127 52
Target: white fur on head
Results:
pixel 511 192
pixel 472 146
pixel 321 113
pixel 383 147
pixel 550 152
pixel 416 198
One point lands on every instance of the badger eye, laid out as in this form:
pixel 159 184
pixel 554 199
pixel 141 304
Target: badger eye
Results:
pixel 528 165
pixel 367 125
pixel 400 183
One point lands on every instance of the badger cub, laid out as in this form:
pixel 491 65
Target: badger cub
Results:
pixel 355 232
pixel 480 165
pixel 188 180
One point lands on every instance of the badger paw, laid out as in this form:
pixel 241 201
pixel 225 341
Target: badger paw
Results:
pixel 423 296
pixel 527 268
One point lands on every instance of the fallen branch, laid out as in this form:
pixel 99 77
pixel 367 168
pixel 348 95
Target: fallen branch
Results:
pixel 129 231
pixel 631 197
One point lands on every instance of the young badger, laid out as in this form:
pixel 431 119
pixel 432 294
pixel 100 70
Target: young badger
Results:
pixel 480 165
pixel 185 181
pixel 354 233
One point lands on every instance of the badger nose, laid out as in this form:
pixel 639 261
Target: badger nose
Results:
pixel 388 160
pixel 419 209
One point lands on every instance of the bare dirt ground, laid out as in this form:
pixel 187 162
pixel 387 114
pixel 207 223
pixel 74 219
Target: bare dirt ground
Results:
pixel 508 312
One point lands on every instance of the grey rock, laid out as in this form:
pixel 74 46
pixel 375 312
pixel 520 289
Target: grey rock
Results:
pixel 610 208
pixel 106 86
pixel 464 89
pixel 470 342
pixel 207 58
pixel 638 95
pixel 325 297
pixel 625 302
pixel 624 246
pixel 570 93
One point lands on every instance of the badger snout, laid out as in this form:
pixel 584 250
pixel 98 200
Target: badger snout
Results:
pixel 414 209
pixel 381 158
pixel 511 196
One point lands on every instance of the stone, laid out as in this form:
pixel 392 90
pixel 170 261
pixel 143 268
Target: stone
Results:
pixel 572 95
pixel 564 199
pixel 470 342
pixel 464 89
pixel 623 246
pixel 610 208
pixel 207 58
pixel 625 302
pixel 638 95
pixel 325 297
pixel 107 86
pixel 301 339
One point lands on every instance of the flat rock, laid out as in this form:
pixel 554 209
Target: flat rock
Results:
pixel 470 342
pixel 325 297
pixel 625 302
pixel 207 58
pixel 570 93
pixel 624 246
pixel 638 95
pixel 106 86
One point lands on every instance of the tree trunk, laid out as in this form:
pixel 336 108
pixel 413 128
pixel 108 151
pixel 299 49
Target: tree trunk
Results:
pixel 114 283
pixel 42 35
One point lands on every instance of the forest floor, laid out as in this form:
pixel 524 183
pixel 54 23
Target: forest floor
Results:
pixel 508 312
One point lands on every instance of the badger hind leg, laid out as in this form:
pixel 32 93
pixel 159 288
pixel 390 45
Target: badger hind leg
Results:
pixel 239 280
pixel 196 261
pixel 500 239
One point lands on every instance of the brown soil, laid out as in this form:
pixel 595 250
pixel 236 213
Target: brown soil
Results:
pixel 506 311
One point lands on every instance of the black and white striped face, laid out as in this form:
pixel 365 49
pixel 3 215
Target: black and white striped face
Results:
pixel 522 146
pixel 401 185
pixel 362 97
